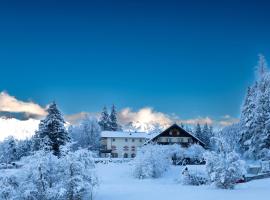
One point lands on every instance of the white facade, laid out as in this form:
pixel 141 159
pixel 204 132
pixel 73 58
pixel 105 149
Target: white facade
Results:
pixel 121 144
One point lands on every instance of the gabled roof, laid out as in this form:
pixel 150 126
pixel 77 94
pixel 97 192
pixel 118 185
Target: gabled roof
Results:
pixel 179 128
pixel 120 134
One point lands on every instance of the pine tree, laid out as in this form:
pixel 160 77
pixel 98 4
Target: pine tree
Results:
pixel 104 122
pixel 247 118
pixel 51 134
pixel 259 140
pixel 198 131
pixel 255 115
pixel 113 120
pixel 205 134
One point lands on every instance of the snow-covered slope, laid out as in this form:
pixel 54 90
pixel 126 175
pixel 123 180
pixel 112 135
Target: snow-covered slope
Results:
pixel 20 129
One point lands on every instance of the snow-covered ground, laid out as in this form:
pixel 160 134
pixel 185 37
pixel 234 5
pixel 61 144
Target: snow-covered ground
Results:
pixel 117 183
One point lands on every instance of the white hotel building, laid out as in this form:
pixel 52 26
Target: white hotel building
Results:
pixel 118 144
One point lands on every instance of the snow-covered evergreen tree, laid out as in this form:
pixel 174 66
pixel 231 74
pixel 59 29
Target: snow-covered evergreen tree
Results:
pixel 198 131
pixel 104 121
pixel 51 133
pixel 247 121
pixel 113 124
pixel 260 139
pixel 207 134
pixel 255 116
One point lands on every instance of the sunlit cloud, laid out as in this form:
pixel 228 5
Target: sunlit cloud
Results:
pixel 144 115
pixel 11 104
pixel 227 120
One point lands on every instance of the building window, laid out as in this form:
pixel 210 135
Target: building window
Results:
pixel 125 148
pixel 126 139
pixel 169 140
pixel 113 148
pixel 190 140
pixel 133 155
pixel 175 132
pixel 113 139
pixel 115 155
pixel 181 140
pixel 133 148
pixel 133 140
pixel 125 155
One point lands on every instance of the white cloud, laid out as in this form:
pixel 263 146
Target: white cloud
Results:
pixel 11 104
pixel 149 116
pixel 228 121
pixel 144 115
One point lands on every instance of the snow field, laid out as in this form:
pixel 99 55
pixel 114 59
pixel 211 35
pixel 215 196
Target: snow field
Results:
pixel 117 183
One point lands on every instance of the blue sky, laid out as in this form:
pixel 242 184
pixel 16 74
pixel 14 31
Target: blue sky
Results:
pixel 191 58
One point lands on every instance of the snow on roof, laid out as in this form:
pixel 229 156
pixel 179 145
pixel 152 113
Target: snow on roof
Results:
pixel 120 134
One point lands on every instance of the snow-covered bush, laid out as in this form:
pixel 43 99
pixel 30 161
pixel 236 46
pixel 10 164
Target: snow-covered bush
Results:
pixel 190 177
pixel 81 177
pixel 151 162
pixel 224 167
pixel 47 177
pixel 44 177
pixel 9 187
pixel 182 155
pixel 8 150
pixel 195 153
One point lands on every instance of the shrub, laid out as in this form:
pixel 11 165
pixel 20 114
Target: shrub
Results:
pixel 224 167
pixel 151 162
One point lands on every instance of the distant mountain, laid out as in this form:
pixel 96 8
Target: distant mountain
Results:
pixel 20 129
pixel 144 127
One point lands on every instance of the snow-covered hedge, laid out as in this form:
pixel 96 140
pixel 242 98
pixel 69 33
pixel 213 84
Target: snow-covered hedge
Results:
pixel 151 162
pixel 45 177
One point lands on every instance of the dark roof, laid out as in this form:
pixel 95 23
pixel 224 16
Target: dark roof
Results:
pixel 183 131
